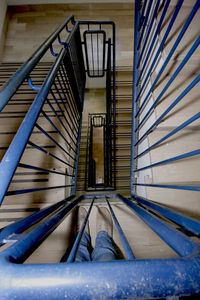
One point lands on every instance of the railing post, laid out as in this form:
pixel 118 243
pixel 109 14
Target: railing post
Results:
pixel 134 96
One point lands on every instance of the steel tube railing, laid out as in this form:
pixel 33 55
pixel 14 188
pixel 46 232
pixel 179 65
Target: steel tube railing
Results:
pixel 178 7
pixel 145 23
pixel 53 140
pixel 25 246
pixel 180 67
pixel 155 36
pixel 68 131
pixel 127 249
pixel 169 160
pixel 178 40
pixel 174 103
pixel 187 223
pixel 73 279
pixel 171 186
pixel 40 169
pixel 11 87
pixel 75 247
pixel 175 239
pixel 148 30
pixel 29 221
pixel 174 131
pixel 11 158
pixel 147 278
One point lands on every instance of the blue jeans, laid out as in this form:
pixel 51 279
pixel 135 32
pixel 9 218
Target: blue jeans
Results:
pixel 104 249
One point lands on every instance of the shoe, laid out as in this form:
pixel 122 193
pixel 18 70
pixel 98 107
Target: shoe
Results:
pixel 82 212
pixel 104 221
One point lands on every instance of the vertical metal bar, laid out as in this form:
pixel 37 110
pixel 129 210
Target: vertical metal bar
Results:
pixel 172 186
pixel 114 101
pixel 65 80
pixel 176 101
pixel 52 139
pixel 177 9
pixel 61 122
pixel 145 21
pixel 71 96
pixel 25 191
pixel 62 112
pixel 98 53
pixel 142 14
pixel 70 116
pixel 127 249
pixel 174 131
pixel 134 97
pixel 172 159
pixel 77 156
pixel 58 131
pixel 92 53
pixel 79 236
pixel 40 169
pixel 149 31
pixel 178 40
pixel 180 67
pixel 154 37
pixel 47 153
pixel 61 98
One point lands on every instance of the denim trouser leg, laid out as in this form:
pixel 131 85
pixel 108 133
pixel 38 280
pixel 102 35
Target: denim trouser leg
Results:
pixel 85 249
pixel 104 249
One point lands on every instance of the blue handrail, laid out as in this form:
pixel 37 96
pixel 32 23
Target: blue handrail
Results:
pixel 146 58
pixel 12 157
pixel 147 278
pixel 70 130
pixel 10 87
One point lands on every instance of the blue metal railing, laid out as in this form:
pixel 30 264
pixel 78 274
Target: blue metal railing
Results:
pixel 9 89
pixel 146 278
pixel 146 59
pixel 62 92
pixel 122 279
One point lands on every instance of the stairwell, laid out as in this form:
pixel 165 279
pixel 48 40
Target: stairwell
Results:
pixel 95 102
pixel 143 241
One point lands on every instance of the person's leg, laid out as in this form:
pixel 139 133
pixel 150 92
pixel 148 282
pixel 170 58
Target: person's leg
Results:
pixel 104 249
pixel 85 247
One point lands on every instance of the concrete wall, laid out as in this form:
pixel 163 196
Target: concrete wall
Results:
pixel 3 8
pixel 30 2
pixel 31 25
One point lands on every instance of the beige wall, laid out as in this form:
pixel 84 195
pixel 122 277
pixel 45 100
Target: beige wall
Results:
pixel 3 8
pixel 30 25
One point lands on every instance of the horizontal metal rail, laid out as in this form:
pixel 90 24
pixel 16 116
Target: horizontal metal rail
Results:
pixel 147 278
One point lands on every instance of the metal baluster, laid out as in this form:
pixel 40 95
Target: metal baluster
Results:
pixel 178 99
pixel 52 139
pixel 127 249
pixel 180 67
pixel 58 131
pixel 74 250
pixel 46 152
